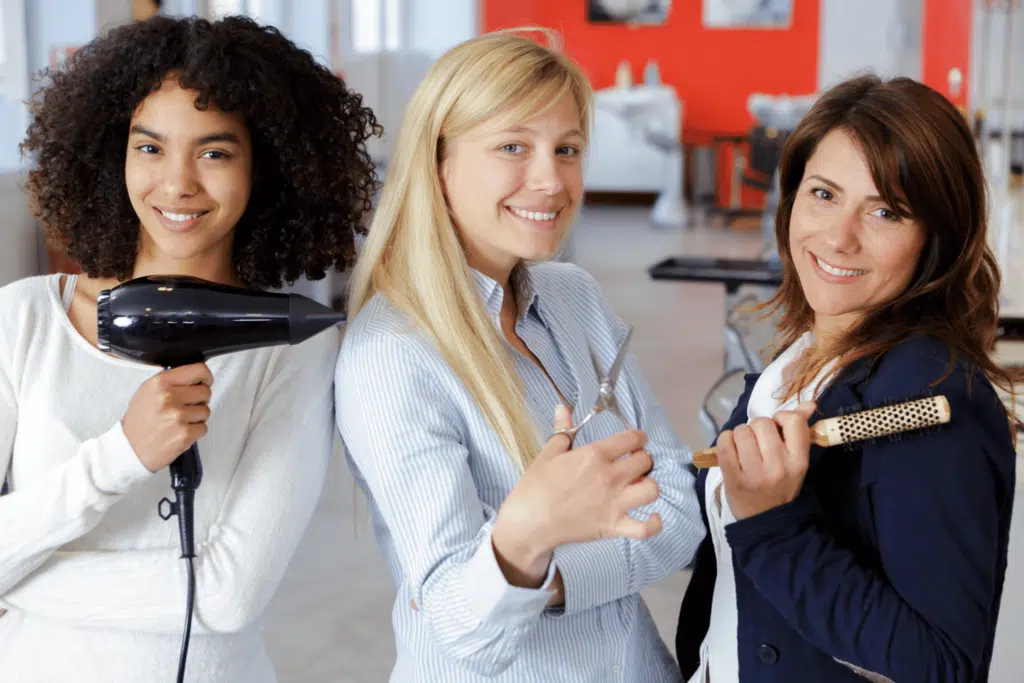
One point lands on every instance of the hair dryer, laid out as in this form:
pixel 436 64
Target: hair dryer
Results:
pixel 173 320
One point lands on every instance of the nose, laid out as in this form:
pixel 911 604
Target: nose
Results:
pixel 179 176
pixel 545 173
pixel 843 233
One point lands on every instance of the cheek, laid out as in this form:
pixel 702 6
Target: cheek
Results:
pixel 900 260
pixel 231 190
pixel 136 180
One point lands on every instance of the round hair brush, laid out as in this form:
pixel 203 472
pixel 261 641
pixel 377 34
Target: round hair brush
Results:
pixel 866 424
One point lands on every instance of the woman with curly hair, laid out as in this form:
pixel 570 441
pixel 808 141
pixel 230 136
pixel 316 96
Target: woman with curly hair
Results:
pixel 172 146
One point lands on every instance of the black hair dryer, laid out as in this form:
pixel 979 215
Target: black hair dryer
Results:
pixel 174 320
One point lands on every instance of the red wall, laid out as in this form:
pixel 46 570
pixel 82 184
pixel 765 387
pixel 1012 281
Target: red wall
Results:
pixel 946 43
pixel 713 70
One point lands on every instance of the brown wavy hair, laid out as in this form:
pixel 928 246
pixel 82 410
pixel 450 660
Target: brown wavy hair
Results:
pixel 925 164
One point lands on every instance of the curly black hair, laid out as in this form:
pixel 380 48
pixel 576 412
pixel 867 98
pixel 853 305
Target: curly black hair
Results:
pixel 313 179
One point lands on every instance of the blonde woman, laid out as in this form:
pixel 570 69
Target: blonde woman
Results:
pixel 513 561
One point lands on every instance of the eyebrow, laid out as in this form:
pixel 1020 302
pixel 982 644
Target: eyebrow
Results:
pixel 220 136
pixel 526 129
pixel 839 188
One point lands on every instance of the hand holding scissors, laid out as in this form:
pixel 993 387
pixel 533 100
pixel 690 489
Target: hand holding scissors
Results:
pixel 606 400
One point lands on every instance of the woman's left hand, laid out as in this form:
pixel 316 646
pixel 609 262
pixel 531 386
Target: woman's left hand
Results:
pixel 762 468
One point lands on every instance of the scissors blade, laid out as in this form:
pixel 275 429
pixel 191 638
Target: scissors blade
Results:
pixel 593 359
pixel 613 374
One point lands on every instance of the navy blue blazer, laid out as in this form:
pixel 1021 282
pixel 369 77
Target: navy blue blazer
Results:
pixel 892 557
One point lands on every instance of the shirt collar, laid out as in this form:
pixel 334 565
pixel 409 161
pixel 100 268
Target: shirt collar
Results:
pixel 493 293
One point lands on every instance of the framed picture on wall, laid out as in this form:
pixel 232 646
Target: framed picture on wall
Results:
pixel 747 13
pixel 649 12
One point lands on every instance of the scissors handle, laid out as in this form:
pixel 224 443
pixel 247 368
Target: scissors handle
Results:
pixel 572 431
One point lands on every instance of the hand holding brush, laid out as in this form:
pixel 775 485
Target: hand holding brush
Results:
pixel 764 463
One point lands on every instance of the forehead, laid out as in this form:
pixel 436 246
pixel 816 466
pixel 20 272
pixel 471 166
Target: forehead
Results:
pixel 171 107
pixel 558 118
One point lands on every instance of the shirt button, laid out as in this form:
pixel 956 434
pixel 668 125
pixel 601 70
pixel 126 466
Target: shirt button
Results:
pixel 767 654
pixel 616 669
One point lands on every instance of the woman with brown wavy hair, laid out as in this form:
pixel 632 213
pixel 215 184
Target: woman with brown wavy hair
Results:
pixel 881 560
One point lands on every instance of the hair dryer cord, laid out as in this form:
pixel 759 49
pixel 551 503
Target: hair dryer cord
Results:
pixel 184 478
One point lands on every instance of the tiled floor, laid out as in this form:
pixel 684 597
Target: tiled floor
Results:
pixel 330 621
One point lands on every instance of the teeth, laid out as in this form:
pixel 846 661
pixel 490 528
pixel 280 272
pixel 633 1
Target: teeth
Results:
pixel 180 217
pixel 534 215
pixel 841 272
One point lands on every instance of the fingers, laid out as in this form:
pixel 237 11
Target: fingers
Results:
pixel 770 447
pixel 797 436
pixel 644 492
pixel 559 443
pixel 195 394
pixel 620 444
pixel 747 452
pixel 728 458
pixel 633 466
pixel 196 373
pixel 627 527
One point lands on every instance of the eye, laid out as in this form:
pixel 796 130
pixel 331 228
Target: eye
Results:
pixel 887 214
pixel 822 194
pixel 215 154
pixel 568 150
pixel 512 148
pixel 148 149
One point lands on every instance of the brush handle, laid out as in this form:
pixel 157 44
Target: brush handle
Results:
pixel 866 424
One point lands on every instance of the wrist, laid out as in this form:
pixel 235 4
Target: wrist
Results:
pixel 522 555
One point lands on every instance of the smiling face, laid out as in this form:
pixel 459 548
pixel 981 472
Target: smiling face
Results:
pixel 188 174
pixel 851 250
pixel 513 192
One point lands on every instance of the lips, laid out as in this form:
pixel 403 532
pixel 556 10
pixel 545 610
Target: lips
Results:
pixel 537 216
pixel 179 220
pixel 836 271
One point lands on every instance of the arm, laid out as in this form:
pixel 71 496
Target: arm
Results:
pixel 403 434
pixel 925 614
pixel 65 505
pixel 261 521
pixel 599 572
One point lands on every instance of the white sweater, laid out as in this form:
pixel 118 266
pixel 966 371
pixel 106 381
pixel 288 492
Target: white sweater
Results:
pixel 90 575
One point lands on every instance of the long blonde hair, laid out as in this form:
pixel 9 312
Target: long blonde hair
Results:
pixel 412 254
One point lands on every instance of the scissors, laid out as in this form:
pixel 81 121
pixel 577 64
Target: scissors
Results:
pixel 605 390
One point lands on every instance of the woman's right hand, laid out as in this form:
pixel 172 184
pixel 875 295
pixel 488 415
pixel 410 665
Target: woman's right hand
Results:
pixel 572 496
pixel 168 414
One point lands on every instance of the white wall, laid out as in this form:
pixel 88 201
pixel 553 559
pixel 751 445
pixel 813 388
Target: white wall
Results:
pixel 434 26
pixel 882 36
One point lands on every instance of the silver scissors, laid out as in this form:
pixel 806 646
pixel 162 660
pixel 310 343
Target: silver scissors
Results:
pixel 605 389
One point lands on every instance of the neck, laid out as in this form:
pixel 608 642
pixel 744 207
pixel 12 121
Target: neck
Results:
pixel 213 266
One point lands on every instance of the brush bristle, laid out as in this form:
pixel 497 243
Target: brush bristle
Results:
pixel 894 419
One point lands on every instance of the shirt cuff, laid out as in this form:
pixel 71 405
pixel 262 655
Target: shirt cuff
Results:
pixel 593 573
pixel 492 599
pixel 113 463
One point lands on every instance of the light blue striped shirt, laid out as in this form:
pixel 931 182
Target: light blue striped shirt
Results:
pixel 435 475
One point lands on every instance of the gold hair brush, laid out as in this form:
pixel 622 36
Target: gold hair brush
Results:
pixel 865 424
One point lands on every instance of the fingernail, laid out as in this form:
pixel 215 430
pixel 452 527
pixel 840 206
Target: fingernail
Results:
pixel 561 412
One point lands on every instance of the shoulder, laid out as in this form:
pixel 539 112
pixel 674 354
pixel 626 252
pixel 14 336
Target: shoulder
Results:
pixel 559 277
pixel 383 341
pixel 25 303
pixel 25 292
pixel 924 365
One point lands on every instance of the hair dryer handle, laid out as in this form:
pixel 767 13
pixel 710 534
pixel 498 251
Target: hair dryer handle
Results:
pixel 187 470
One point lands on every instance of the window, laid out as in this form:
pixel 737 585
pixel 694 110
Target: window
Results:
pixel 376 25
pixel 223 8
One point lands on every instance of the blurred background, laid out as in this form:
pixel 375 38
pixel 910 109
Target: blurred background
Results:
pixel 694 100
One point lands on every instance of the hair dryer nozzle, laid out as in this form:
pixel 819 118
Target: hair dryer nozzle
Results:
pixel 308 317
